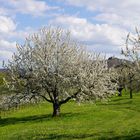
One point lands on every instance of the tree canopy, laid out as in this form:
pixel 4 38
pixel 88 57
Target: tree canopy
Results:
pixel 52 66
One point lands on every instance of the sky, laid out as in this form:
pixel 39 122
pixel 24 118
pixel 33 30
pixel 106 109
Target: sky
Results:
pixel 100 25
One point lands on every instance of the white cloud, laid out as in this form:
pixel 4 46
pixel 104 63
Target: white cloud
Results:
pixel 6 45
pixel 95 34
pixel 22 34
pixel 6 24
pixel 31 7
pixel 7 28
pixel 105 31
pixel 114 19
pixel 106 5
pixel 109 25
pixel 6 50
pixel 5 55
pixel 121 13
pixel 4 11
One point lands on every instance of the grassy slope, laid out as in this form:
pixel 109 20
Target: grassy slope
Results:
pixel 119 119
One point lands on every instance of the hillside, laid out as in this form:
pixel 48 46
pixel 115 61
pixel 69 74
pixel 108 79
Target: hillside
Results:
pixel 116 62
pixel 118 119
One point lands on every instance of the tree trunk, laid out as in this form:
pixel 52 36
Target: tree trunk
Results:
pixel 131 95
pixel 120 91
pixel 56 109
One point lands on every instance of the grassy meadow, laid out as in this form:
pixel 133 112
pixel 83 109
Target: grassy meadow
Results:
pixel 117 119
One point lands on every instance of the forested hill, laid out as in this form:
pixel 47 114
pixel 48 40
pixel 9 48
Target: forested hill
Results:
pixel 116 62
pixel 2 70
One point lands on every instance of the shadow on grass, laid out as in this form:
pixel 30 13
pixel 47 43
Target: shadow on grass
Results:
pixel 103 136
pixel 34 118
pixel 14 120
pixel 120 98
pixel 117 103
pixel 65 136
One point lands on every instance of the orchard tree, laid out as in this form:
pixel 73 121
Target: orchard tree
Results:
pixel 52 66
pixel 131 52
pixel 121 78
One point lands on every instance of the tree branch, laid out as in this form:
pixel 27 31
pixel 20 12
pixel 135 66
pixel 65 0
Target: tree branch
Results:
pixel 46 88
pixel 50 96
pixel 70 97
pixel 46 99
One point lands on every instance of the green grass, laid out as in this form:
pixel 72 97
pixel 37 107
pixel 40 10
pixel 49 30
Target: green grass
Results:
pixel 117 119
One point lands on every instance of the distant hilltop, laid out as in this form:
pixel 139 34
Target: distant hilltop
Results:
pixel 3 70
pixel 116 62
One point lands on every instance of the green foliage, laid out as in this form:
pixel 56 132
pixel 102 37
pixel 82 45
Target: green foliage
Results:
pixel 2 75
pixel 3 89
pixel 118 119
